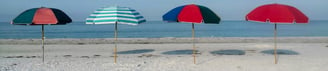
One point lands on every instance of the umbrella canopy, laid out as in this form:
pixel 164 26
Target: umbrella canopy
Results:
pixel 113 14
pixel 42 16
pixel 191 13
pixel 277 14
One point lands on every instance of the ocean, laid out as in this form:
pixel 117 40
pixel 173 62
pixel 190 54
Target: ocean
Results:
pixel 160 29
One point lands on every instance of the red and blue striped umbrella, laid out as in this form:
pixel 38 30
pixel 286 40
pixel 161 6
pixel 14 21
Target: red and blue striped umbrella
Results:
pixel 42 16
pixel 192 13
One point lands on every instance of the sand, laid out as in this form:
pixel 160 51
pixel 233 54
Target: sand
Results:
pixel 165 54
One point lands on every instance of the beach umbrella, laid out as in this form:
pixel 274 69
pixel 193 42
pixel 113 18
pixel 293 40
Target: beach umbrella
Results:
pixel 42 16
pixel 115 15
pixel 277 14
pixel 192 13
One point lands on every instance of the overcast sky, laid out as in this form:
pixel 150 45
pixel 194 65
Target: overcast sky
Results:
pixel 153 10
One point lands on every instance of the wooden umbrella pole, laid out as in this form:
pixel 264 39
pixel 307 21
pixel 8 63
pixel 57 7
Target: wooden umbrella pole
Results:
pixel 42 43
pixel 193 42
pixel 115 42
pixel 275 43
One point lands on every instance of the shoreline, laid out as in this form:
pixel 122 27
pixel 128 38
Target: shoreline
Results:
pixel 171 40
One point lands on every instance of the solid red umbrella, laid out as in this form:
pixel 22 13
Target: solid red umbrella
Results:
pixel 42 16
pixel 277 14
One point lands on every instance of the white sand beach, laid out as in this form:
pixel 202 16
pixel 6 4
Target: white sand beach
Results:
pixel 165 54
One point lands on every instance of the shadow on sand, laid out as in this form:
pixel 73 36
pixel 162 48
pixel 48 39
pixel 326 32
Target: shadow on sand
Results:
pixel 179 52
pixel 280 52
pixel 138 51
pixel 228 52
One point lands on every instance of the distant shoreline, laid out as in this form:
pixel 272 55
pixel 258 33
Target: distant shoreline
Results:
pixel 82 41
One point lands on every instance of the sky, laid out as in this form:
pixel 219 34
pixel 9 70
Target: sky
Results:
pixel 153 10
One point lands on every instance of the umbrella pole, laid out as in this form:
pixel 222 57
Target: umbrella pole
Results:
pixel 275 43
pixel 115 42
pixel 193 42
pixel 42 43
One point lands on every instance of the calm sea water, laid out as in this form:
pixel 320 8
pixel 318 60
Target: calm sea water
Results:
pixel 158 29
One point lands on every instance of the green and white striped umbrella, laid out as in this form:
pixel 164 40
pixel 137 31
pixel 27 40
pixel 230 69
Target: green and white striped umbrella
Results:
pixel 113 14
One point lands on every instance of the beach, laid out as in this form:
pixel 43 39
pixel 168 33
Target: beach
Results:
pixel 163 35
pixel 165 54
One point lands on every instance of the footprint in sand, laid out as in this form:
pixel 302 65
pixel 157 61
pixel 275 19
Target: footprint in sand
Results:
pixel 96 55
pixel 67 55
pixel 14 57
pixel 84 57
pixel 30 56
